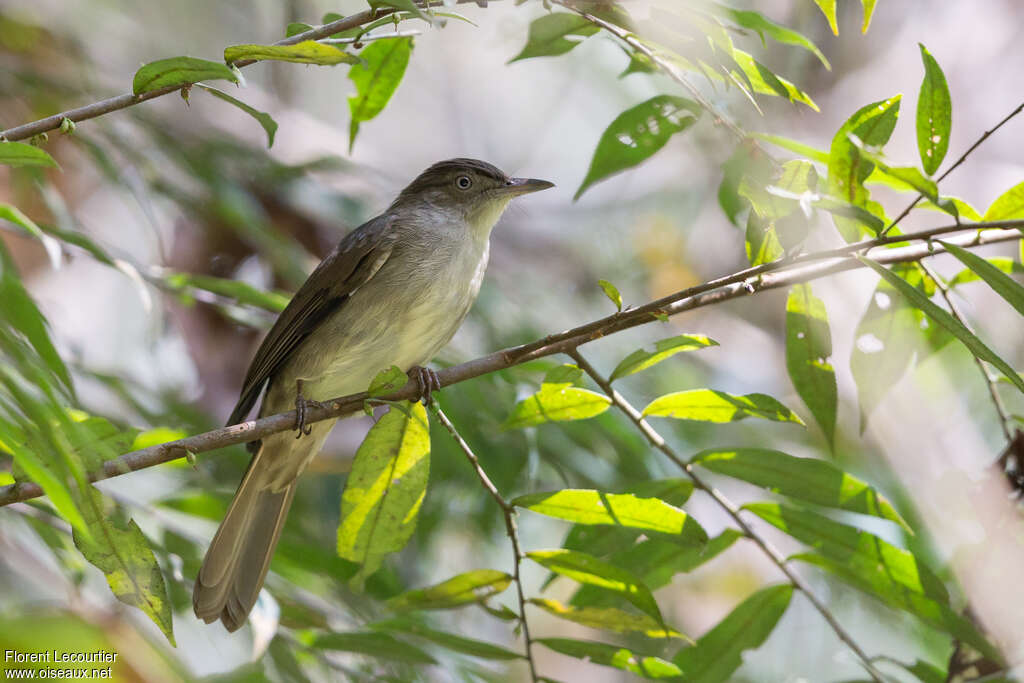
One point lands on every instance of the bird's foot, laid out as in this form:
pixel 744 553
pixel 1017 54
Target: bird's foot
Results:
pixel 427 380
pixel 302 406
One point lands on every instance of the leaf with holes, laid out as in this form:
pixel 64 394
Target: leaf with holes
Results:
pixel 719 652
pixel 934 114
pixel 641 359
pixel 808 349
pixel 638 133
pixel 709 405
pixel 385 489
pixel 465 589
pixel 376 78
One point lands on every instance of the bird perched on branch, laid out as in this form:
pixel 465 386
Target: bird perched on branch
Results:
pixel 393 292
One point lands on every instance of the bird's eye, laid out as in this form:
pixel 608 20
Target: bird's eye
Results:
pixel 463 182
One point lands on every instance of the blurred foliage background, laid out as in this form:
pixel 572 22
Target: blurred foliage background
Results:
pixel 177 193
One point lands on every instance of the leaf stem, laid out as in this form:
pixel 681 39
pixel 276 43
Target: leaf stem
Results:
pixel 730 508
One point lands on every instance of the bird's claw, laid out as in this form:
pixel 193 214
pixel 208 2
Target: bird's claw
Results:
pixel 427 380
pixel 302 406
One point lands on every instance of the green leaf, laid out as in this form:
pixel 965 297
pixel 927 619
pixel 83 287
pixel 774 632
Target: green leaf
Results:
pixel 295 28
pixel 612 292
pixel 407 5
pixel 465 589
pixel 376 80
pixel 263 118
pixel 550 35
pixel 387 381
pixel 384 491
pixel 567 373
pixel 13 215
pixel 808 349
pixel 719 652
pixel 611 655
pixel 242 292
pixel 587 506
pixel 638 133
pixel 947 321
pixel 165 73
pixel 1009 205
pixel 869 11
pixel 894 570
pixel 999 281
pixel 379 645
pixel 709 405
pixel 1005 265
pixel 556 403
pixel 828 8
pixel 765 82
pixel 934 114
pixel 847 169
pixel 761 242
pixel 756 21
pixel 608 619
pixel 807 479
pixel 120 550
pixel 306 52
pixel 20 154
pixel 450 641
pixel 963 209
pixel 641 359
pixel 794 146
pixel 589 570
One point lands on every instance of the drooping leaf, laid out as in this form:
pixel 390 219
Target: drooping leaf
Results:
pixel 387 381
pixel 963 209
pixel 376 78
pixel 847 169
pixel 894 570
pixel 372 644
pixel 756 21
pixel 20 154
pixel 828 8
pixel 449 641
pixel 934 114
pixel 465 589
pixel 638 133
pixel 612 655
pixel 612 292
pixel 765 82
pixel 947 321
pixel 608 619
pixel 384 491
pixel 795 146
pixel 557 403
pixel 1004 265
pixel 709 405
pixel 14 215
pixel 589 570
pixel 869 11
pixel 407 5
pixel 587 506
pixel 164 73
pixel 641 359
pixel 306 52
pixel 262 117
pixel 119 549
pixel 719 652
pixel 761 242
pixel 240 291
pixel 807 479
pixel 808 349
pixel 1009 205
pixel 997 279
pixel 555 34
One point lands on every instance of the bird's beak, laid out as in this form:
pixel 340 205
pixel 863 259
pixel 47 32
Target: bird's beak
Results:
pixel 520 186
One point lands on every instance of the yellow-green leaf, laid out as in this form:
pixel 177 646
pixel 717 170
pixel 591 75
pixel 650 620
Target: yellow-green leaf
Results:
pixel 808 349
pixel 608 619
pixel 376 78
pixel 20 154
pixel 612 292
pixel 1009 205
pixel 641 359
pixel 557 403
pixel 174 71
pixel 387 381
pixel 306 52
pixel 616 656
pixel 828 8
pixel 465 589
pixel 709 405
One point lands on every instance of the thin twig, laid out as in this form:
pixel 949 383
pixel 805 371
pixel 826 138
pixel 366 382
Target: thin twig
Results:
pixel 730 508
pixel 1005 421
pixel 118 102
pixel 732 287
pixel 509 512
pixel 963 157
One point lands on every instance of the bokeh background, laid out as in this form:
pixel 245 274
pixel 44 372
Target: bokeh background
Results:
pixel 168 186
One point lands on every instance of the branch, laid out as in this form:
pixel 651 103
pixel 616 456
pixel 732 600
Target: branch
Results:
pixel 91 111
pixel 745 282
pixel 730 508
pixel 509 512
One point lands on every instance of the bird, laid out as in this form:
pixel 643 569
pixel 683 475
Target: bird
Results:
pixel 392 292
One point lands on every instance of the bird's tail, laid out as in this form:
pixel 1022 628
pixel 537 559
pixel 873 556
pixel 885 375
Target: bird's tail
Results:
pixel 236 563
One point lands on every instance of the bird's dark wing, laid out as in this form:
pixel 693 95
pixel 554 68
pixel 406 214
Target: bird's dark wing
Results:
pixel 353 262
